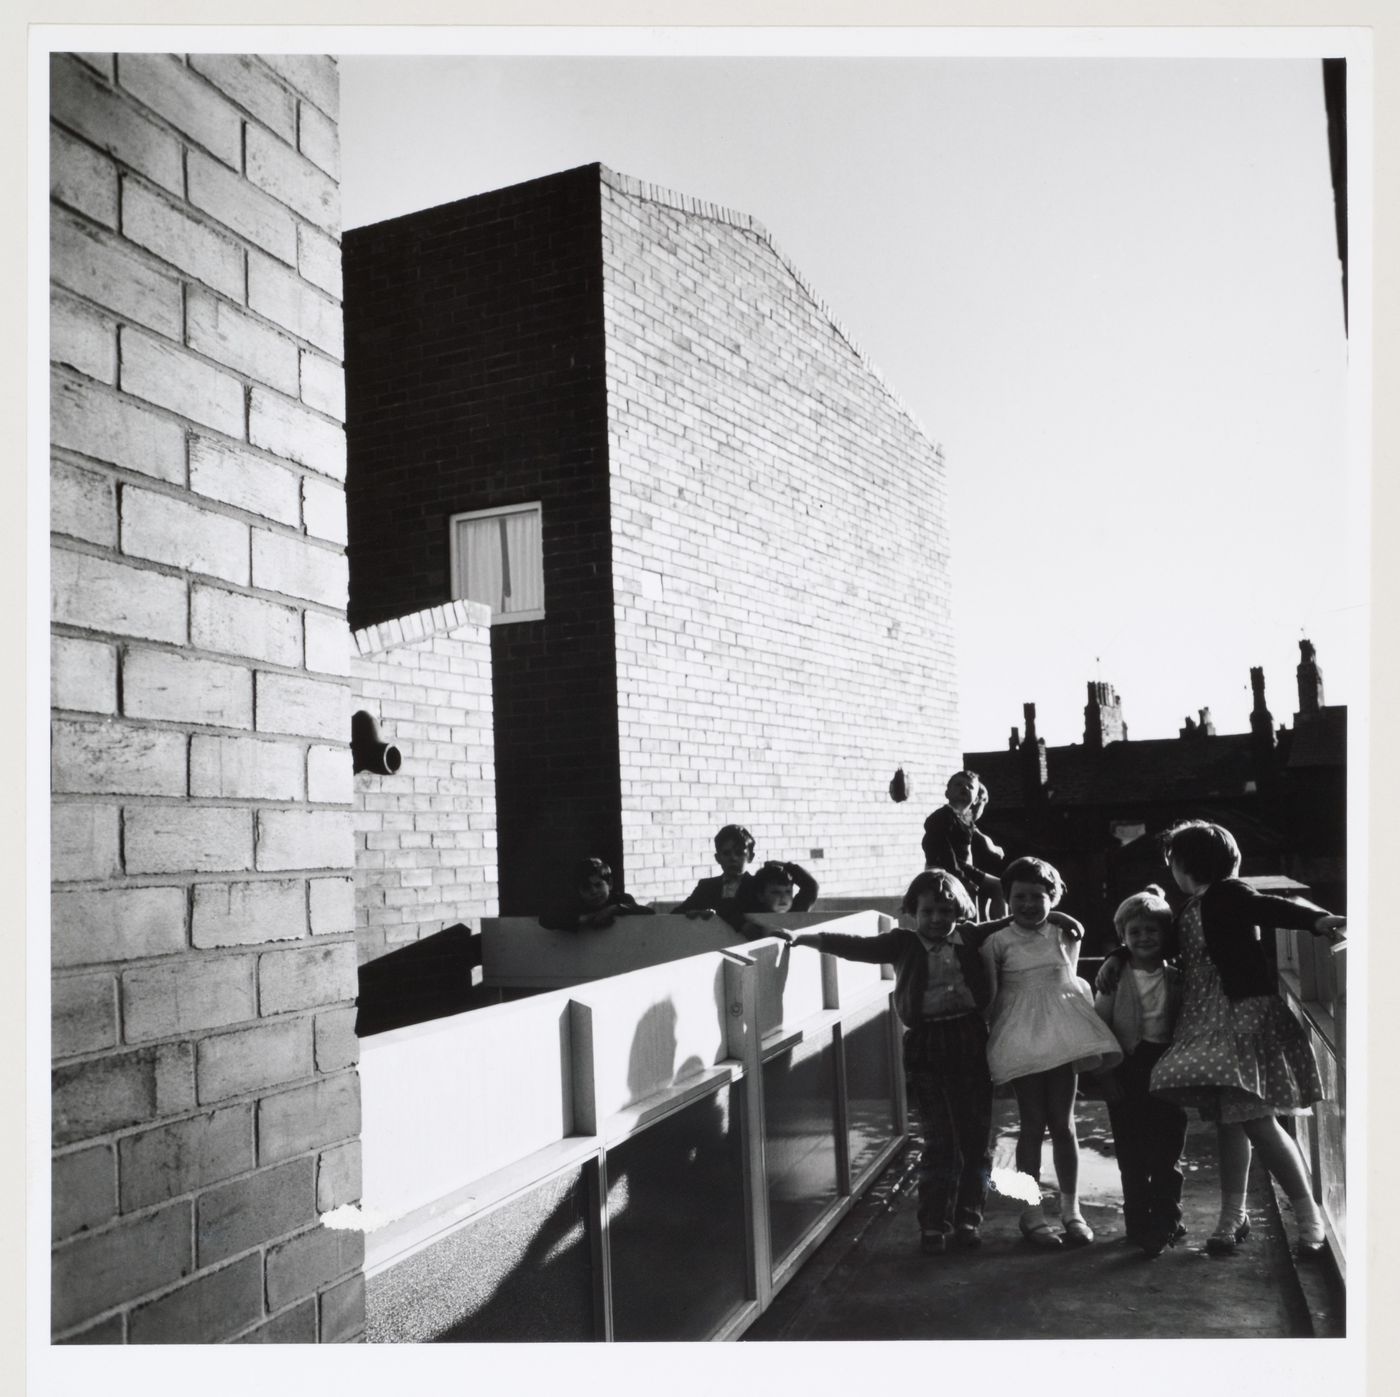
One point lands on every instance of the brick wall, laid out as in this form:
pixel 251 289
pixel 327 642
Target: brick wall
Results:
pixel 205 1098
pixel 779 562
pixel 474 362
pixel 747 599
pixel 425 837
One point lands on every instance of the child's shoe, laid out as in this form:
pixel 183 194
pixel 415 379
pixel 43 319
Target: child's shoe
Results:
pixel 1226 1238
pixel 933 1243
pixel 966 1236
pixel 1078 1233
pixel 1155 1243
pixel 1036 1230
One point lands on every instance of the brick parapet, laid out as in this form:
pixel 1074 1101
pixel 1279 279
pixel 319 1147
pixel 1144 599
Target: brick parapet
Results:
pixel 421 625
pixel 425 836
pixel 204 970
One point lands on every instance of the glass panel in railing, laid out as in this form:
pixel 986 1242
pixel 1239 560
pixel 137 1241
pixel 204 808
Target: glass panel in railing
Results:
pixel 1330 1127
pixel 799 1101
pixel 520 1273
pixel 800 1106
pixel 870 1088
pixel 676 1225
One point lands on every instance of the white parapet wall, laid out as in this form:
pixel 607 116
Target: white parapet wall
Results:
pixel 519 953
pixel 467 1113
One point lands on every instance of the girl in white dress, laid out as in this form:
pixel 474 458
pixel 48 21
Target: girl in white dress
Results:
pixel 1043 1031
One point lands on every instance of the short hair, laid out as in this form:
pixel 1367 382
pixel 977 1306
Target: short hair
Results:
pixel 940 883
pixel 1030 870
pixel 772 873
pixel 585 869
pixel 735 834
pixel 979 791
pixel 1206 851
pixel 1151 903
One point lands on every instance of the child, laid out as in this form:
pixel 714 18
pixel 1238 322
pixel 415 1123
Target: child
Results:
pixel 1043 1030
pixel 1149 1134
pixel 782 887
pixel 1238 1055
pixel 593 904
pixel 940 991
pixel 734 847
pixel 733 893
pixel 953 841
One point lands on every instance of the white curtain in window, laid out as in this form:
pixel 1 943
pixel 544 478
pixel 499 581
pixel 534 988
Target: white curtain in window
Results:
pixel 523 571
pixel 479 552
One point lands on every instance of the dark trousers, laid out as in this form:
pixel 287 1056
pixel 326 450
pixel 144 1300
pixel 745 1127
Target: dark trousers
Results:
pixel 1149 1135
pixel 945 1066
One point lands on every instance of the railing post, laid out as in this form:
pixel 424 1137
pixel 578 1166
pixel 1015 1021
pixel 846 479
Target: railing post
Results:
pixel 583 1108
pixel 744 1043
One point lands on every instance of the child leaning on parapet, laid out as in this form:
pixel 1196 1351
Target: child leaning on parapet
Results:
pixel 593 903
pixel 735 892
pixel 941 989
pixel 780 887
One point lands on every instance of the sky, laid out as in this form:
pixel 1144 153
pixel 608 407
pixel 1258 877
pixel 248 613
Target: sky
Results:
pixel 1108 287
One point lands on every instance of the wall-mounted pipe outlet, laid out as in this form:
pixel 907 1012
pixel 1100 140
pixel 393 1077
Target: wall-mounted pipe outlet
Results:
pixel 370 754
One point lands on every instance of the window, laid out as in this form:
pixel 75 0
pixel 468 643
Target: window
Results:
pixel 497 559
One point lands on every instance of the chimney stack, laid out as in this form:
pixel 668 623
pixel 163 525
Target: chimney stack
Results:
pixel 1261 721
pixel 1015 742
pixel 1103 716
pixel 1037 767
pixel 1310 698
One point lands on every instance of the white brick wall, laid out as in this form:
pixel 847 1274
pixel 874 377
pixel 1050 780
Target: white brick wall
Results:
pixel 201 773
pixel 422 862
pixel 751 442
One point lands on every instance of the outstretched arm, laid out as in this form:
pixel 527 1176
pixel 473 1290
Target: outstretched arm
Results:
pixel 1106 981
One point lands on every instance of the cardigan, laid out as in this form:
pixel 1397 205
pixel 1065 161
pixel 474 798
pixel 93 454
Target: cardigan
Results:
pixel 1122 1010
pixel 904 949
pixel 1230 910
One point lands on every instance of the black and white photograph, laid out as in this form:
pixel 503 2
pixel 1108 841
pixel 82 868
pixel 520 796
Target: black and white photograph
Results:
pixel 706 686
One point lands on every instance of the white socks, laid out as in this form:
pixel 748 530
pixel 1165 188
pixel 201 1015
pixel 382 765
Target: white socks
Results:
pixel 1069 1207
pixel 1231 1212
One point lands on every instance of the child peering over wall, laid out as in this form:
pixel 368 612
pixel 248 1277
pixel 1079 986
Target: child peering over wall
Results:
pixel 735 892
pixel 593 903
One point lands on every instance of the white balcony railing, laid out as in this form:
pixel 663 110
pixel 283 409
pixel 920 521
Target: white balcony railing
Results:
pixel 649 1155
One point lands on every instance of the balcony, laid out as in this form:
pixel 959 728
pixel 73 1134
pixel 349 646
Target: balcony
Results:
pixel 714 1147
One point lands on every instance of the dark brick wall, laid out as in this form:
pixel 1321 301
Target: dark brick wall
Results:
pixel 475 378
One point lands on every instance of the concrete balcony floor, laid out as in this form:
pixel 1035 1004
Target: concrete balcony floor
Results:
pixel 869 1279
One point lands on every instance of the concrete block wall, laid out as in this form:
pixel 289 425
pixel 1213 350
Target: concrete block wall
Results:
pixel 475 362
pixel 205 1097
pixel 779 562
pixel 425 837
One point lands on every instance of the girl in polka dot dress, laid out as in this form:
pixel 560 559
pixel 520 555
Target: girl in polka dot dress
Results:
pixel 1238 1055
